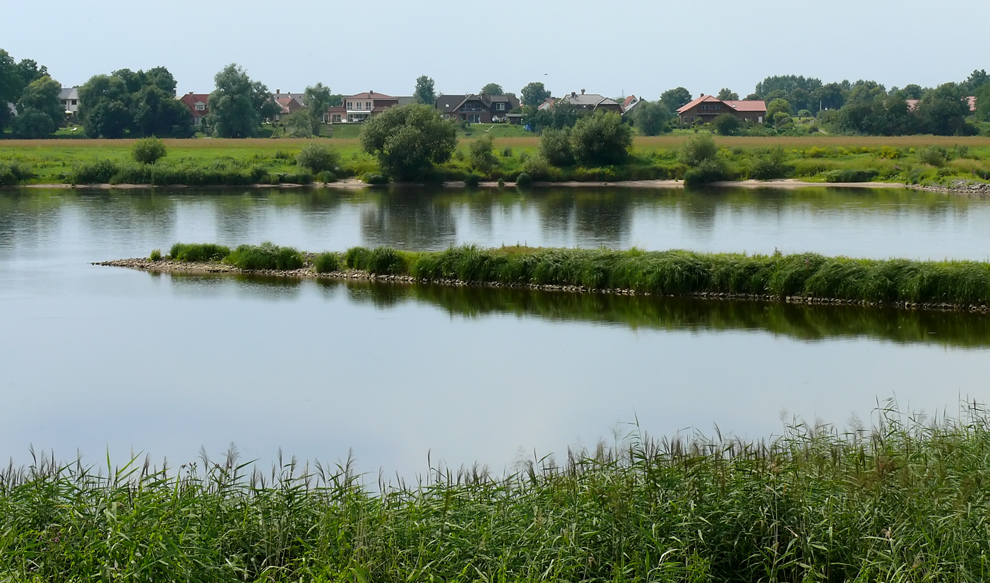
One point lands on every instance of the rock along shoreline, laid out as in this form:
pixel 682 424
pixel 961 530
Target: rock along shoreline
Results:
pixel 307 272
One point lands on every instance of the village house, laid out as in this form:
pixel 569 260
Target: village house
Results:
pixel 707 107
pixel 478 108
pixel 358 108
pixel 197 104
pixel 287 103
pixel 69 97
pixel 630 103
pixel 589 102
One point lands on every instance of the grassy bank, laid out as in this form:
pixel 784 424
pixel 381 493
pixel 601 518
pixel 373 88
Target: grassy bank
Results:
pixel 906 501
pixel 778 276
pixel 908 160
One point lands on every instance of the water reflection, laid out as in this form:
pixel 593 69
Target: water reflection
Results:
pixel 806 323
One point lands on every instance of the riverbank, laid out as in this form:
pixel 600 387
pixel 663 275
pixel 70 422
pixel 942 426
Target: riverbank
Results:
pixel 903 501
pixel 802 278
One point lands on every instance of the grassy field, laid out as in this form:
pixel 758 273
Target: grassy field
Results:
pixel 812 158
pixel 904 502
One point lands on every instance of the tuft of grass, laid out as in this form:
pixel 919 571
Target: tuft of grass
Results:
pixel 327 262
pixel 198 252
pixel 156 255
pixel 266 256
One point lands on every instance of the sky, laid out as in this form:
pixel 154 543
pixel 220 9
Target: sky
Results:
pixel 633 47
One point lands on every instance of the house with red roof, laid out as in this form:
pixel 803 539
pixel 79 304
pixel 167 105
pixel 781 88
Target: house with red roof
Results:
pixel 707 107
pixel 197 104
pixel 359 107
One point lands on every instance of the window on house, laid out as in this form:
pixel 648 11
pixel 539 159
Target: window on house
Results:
pixel 499 107
pixel 74 101
pixel 367 105
pixel 357 105
pixel 200 107
pixel 350 105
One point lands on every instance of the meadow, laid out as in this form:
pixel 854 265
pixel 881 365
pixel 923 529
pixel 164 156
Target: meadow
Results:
pixel 813 158
pixel 905 501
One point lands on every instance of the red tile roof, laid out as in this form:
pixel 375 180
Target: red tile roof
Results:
pixel 369 95
pixel 190 99
pixel 752 105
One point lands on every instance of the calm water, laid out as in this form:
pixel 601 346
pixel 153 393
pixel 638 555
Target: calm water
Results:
pixel 99 359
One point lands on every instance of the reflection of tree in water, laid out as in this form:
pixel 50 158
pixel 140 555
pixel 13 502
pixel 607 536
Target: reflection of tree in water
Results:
pixel 409 219
pixel 146 212
pixel 603 218
pixel 27 218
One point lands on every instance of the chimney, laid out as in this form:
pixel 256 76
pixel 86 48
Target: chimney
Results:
pixel 582 92
pixel 278 92
pixel 371 93
pixel 573 94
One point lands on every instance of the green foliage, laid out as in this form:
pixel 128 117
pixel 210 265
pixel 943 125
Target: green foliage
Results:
pixel 327 262
pixel 482 154
pixel 156 255
pixel 318 99
pixel 148 150
pixel 99 172
pixel 472 180
pixel 697 149
pixel 933 156
pixel 12 173
pixel 198 252
pixel 298 124
pixel 534 94
pixel 674 99
pixel 706 171
pixel 237 104
pixel 770 164
pixel 266 256
pixel 424 93
pixel 492 89
pixel 39 110
pixel 850 175
pixel 601 140
pixel 408 141
pixel 726 124
pixel 318 158
pixel 726 94
pixel 651 117
pixel 141 103
pixel 524 180
pixel 379 261
pixel 778 106
pixel 556 147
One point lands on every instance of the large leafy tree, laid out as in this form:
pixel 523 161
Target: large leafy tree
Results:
pixel 39 110
pixel 492 89
pixel 601 139
pixel 651 117
pixel 560 115
pixel 425 94
pixel 318 100
pixel 534 94
pixel 727 94
pixel 136 103
pixel 238 104
pixel 943 111
pixel 409 141
pixel 14 79
pixel 674 99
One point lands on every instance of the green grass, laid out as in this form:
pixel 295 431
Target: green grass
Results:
pixel 198 252
pixel 265 256
pixel 904 502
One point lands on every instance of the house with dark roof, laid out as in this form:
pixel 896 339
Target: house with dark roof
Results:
pixel 197 104
pixel 707 107
pixel 590 102
pixel 476 108
pixel 69 97
pixel 359 107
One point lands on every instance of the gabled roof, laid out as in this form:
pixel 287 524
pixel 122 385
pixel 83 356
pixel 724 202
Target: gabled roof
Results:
pixel 588 99
pixel 697 102
pixel 629 101
pixel 446 103
pixel 369 95
pixel 191 99
pixel 288 104
pixel 406 99
pixel 747 105
pixel 68 93
pixel 488 100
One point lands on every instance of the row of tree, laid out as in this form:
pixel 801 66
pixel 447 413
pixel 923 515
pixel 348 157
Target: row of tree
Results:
pixel 34 96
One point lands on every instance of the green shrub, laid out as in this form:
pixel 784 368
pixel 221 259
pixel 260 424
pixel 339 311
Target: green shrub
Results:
pixel 770 165
pixel 385 261
pixel 601 140
pixel 326 176
pixel 99 172
pixel 375 178
pixel 357 258
pixel 726 124
pixel 156 255
pixel 483 154
pixel 697 150
pixel 539 169
pixel 850 175
pixel 706 171
pixel 327 262
pixel 266 256
pixel 501 183
pixel 318 158
pixel 524 180
pixel 148 150
pixel 198 252
pixel 12 173
pixel 933 156
pixel 556 148
pixel 472 180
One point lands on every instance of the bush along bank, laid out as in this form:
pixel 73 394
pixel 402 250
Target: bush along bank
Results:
pixel 805 277
pixel 904 502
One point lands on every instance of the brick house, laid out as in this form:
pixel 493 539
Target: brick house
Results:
pixel 478 108
pixel 197 104
pixel 708 107
pixel 358 108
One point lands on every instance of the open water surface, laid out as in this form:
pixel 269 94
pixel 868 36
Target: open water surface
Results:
pixel 100 359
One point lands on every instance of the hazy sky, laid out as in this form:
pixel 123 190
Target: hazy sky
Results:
pixel 640 47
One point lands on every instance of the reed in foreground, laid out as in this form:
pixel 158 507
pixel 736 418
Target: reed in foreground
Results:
pixel 906 501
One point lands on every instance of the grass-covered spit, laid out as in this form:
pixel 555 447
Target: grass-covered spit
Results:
pixel 907 501
pixel 806 275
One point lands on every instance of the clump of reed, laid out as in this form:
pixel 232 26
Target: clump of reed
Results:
pixel 198 252
pixel 266 256
pixel 903 501
pixel 327 262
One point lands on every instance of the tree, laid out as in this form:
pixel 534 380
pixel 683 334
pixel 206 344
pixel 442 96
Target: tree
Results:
pixel 534 94
pixel 237 104
pixel 39 111
pixel 14 79
pixel 424 93
pixel 318 99
pixel 601 139
pixel 482 154
pixel 776 106
pixel 943 111
pixel 136 103
pixel 318 158
pixel 148 150
pixel 976 81
pixel 983 103
pixel 562 114
pixel 726 124
pixel 409 141
pixel 492 89
pixel 298 124
pixel 556 148
pixel 674 99
pixel 830 96
pixel 866 91
pixel 158 113
pixel 727 94
pixel 651 117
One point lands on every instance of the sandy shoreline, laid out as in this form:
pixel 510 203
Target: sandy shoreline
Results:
pixel 307 272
